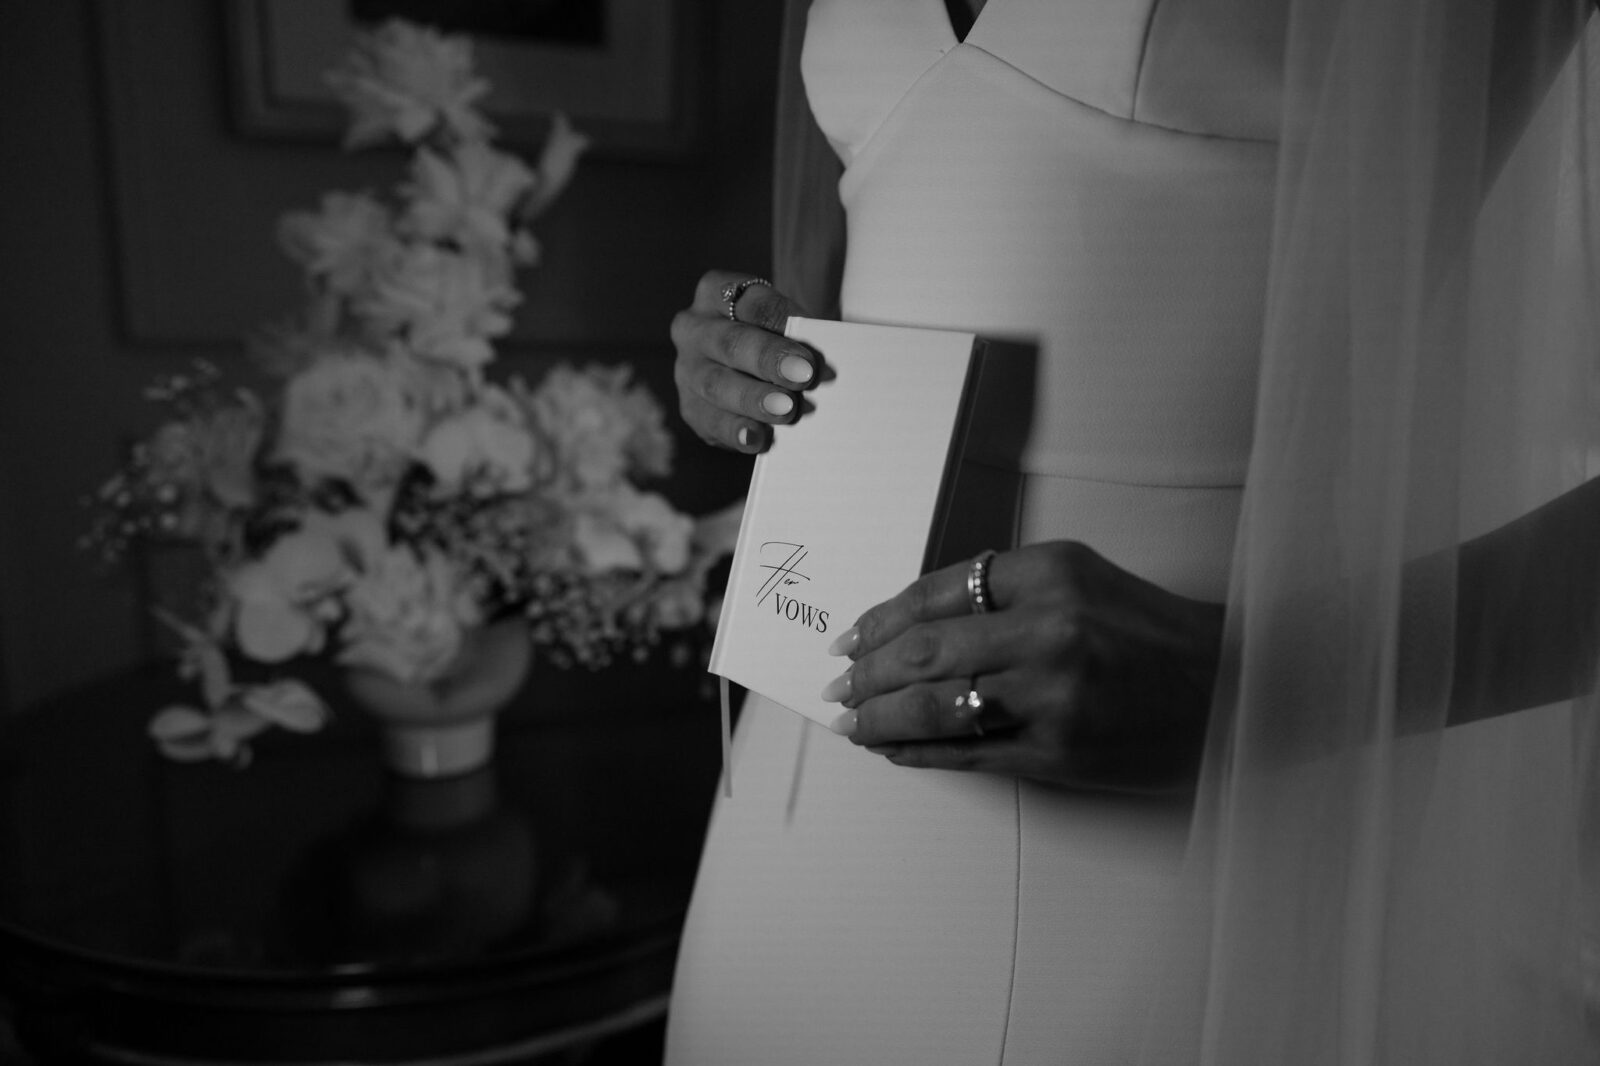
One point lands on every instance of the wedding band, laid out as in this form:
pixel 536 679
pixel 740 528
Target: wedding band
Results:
pixel 735 289
pixel 971 706
pixel 978 584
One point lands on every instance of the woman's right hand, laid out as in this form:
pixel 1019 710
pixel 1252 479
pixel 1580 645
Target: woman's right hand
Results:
pixel 738 378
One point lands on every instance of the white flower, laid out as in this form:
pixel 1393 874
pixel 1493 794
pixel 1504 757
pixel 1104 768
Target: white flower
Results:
pixel 557 162
pixel 603 545
pixel 447 303
pixel 289 345
pixel 715 535
pixel 232 713
pixel 437 388
pixel 600 426
pixel 678 604
pixel 349 416
pixel 229 439
pixel 488 443
pixel 468 197
pixel 279 598
pixel 286 703
pixel 189 734
pixel 343 242
pixel 665 532
pixel 409 613
pixel 625 529
pixel 282 602
pixel 409 80
pixel 202 467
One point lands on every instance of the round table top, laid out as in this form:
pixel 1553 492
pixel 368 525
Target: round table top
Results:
pixel 314 884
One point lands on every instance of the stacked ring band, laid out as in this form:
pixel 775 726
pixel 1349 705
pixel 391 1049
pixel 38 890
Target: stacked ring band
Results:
pixel 735 289
pixel 978 583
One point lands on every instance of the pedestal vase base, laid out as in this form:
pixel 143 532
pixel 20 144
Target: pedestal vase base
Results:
pixel 438 750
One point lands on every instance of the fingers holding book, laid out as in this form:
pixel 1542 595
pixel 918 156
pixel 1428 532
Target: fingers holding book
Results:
pixel 737 374
pixel 1075 672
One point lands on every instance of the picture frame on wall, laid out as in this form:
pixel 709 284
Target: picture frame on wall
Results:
pixel 624 71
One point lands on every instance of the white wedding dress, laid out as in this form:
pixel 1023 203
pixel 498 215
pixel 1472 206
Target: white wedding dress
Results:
pixel 1064 178
pixel 1093 179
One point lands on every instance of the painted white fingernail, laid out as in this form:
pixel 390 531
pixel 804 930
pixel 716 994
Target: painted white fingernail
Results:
pixel 837 690
pixel 796 368
pixel 845 724
pixel 846 643
pixel 777 403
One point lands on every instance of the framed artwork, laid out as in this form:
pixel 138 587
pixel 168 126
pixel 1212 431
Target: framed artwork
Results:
pixel 194 201
pixel 624 71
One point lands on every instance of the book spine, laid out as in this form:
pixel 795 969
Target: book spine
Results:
pixel 940 521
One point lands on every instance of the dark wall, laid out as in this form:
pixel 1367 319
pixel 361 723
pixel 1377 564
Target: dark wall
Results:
pixel 137 227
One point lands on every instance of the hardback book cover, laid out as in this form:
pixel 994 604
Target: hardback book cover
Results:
pixel 843 507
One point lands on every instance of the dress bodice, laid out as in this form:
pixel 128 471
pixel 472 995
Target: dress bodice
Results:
pixel 1195 66
pixel 1092 198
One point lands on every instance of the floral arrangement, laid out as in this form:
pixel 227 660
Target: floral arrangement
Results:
pixel 391 497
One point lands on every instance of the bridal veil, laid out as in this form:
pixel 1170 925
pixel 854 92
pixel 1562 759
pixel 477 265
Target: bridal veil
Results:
pixel 1395 856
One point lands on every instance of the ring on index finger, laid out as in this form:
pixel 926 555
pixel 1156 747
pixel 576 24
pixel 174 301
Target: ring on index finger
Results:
pixel 978 594
pixel 970 706
pixel 735 289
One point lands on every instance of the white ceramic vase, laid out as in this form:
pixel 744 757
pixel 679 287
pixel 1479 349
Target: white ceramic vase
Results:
pixel 446 726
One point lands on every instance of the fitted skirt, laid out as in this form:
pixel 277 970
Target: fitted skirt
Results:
pixel 851 911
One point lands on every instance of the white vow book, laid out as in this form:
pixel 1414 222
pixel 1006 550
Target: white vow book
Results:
pixel 842 508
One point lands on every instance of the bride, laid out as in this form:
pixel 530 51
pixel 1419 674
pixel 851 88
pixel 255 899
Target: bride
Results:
pixel 1268 736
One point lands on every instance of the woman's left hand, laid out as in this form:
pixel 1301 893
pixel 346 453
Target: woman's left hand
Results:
pixel 1090 677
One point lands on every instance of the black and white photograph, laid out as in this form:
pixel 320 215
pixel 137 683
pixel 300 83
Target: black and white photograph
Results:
pixel 861 532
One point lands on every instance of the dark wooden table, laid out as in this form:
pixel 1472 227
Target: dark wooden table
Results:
pixel 314 909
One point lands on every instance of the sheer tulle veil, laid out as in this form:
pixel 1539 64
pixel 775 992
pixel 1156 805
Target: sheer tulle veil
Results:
pixel 1395 856
pixel 1395 849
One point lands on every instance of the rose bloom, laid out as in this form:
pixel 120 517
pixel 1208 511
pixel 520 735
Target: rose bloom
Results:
pixel 280 600
pixel 626 529
pixel 488 441
pixel 228 440
pixel 409 614
pixel 406 80
pixel 602 426
pixel 341 243
pixel 677 604
pixel 447 304
pixel 349 416
pixel 467 197
pixel 438 388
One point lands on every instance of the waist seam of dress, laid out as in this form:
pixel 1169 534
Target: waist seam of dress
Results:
pixel 1004 468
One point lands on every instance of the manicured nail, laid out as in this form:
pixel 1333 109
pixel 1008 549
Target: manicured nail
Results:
pixel 838 689
pixel 846 643
pixel 845 724
pixel 796 368
pixel 746 437
pixel 777 403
